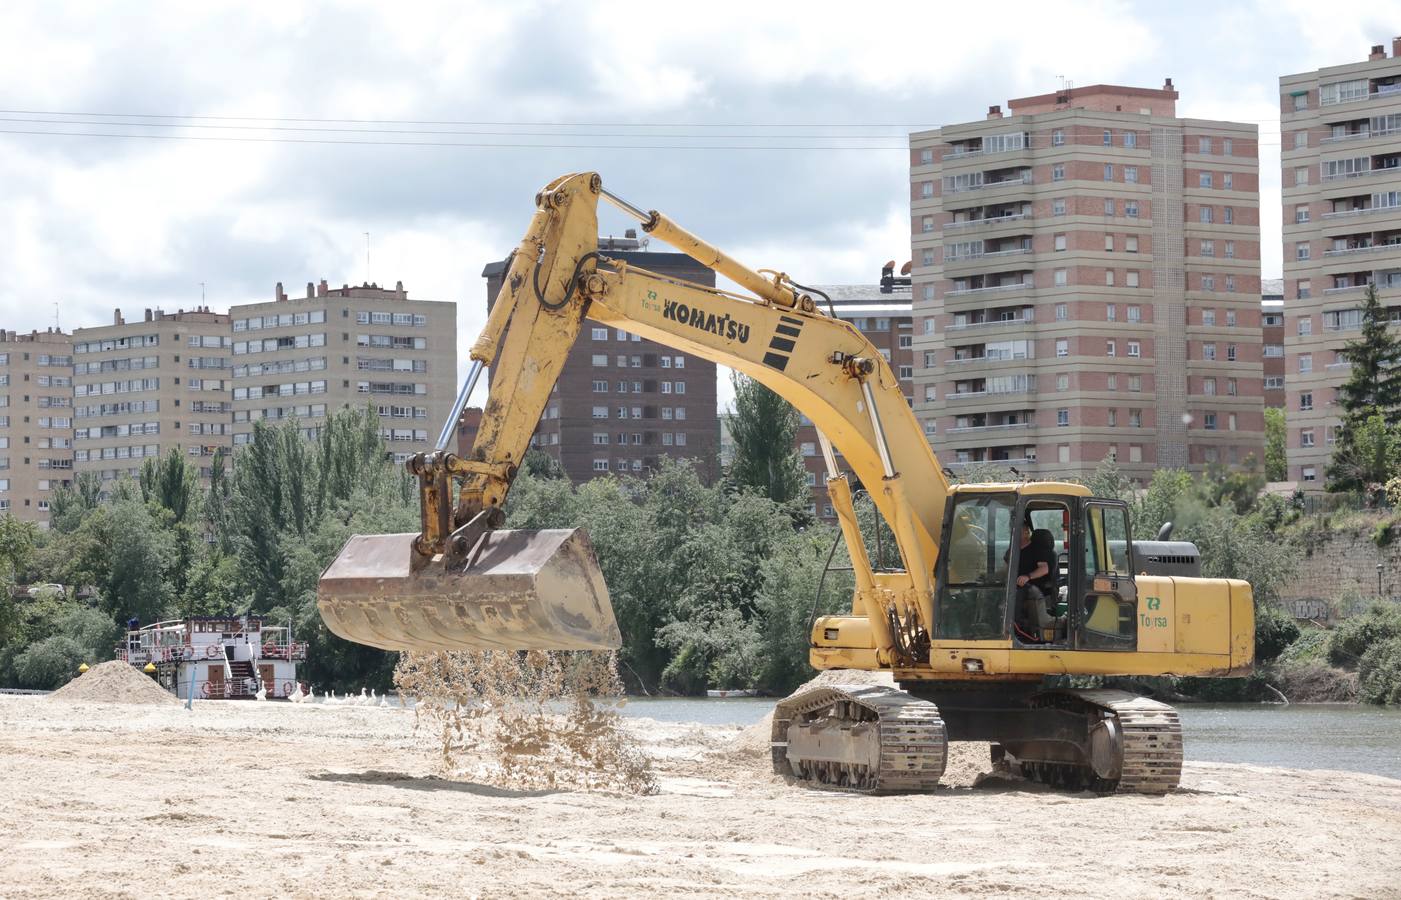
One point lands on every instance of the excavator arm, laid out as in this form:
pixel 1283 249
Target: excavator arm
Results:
pixel 462 581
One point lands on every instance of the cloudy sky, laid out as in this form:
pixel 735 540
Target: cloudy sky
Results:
pixel 146 148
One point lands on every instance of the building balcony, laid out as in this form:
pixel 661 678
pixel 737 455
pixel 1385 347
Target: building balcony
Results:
pixel 984 395
pixel 1018 461
pixel 1386 170
pixel 993 323
pixel 1372 248
pixel 985 222
pixel 968 360
pixel 1349 213
pixel 1359 135
pixel 992 429
pixel 994 289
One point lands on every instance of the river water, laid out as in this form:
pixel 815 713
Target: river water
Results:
pixel 1300 736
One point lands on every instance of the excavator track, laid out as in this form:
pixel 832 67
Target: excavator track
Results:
pixel 867 738
pixel 1134 744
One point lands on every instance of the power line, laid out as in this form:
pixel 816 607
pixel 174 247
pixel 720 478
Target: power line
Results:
pixel 555 134
pixel 458 144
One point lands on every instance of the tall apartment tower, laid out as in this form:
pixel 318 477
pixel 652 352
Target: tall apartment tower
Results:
pixel 305 357
pixel 1087 285
pixel 36 421
pixel 1341 172
pixel 621 402
pixel 142 388
pixel 881 312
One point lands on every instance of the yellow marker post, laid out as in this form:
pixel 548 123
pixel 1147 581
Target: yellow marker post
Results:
pixel 150 669
pixel 82 668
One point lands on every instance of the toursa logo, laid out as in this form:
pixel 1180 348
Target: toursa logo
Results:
pixel 725 326
pixel 785 337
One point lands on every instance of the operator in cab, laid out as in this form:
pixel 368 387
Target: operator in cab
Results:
pixel 1036 581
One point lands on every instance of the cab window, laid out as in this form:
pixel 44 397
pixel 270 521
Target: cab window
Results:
pixel 973 596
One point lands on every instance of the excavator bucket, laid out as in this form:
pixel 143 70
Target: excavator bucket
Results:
pixel 517 590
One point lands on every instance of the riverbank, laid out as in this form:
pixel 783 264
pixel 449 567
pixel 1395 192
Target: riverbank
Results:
pixel 280 799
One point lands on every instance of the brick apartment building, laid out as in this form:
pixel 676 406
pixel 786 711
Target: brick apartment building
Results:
pixel 141 388
pixel 305 357
pixel 881 312
pixel 1087 285
pixel 1341 172
pixel 36 421
pixel 622 402
pixel 1272 333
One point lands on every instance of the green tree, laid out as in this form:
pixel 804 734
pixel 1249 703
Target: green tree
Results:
pixel 173 484
pixel 69 505
pixel 217 502
pixel 764 427
pixel 1276 468
pixel 1367 453
pixel 1372 390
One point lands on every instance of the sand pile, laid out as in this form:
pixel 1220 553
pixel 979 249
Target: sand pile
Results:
pixel 114 682
pixel 967 759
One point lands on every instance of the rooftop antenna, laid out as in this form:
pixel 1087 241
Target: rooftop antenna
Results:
pixel 201 293
pixel 56 326
pixel 367 257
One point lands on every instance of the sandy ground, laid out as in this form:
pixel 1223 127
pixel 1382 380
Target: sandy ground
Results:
pixel 273 799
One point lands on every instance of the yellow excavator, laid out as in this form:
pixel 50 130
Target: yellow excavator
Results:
pixel 969 630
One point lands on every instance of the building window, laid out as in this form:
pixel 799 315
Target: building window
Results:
pixel 808 448
pixel 600 438
pixel 1113 382
pixel 1063 453
pixel 1058 172
pixel 1203 145
pixel 1108 277
pixel 1109 243
pixel 1231 387
pixel 1301 250
pixel 1301 213
pixel 1304 289
pixel 1131 242
pixel 926 156
pixel 1230 249
pixel 1062 312
pixel 1208 248
pixel 1108 172
pixel 1305 363
pixel 1205 215
pixel 1208 351
pixel 600 412
pixel 1062 382
pixel 1062 417
pixel 1204 179
pixel 1108 206
pixel 1113 418
pixel 907 372
pixel 1131 279
pixel 1108 138
pixel 926 224
pixel 1208 282
pixel 1228 214
pixel 1131 174
pixel 1230 288
pixel 929 362
pixel 1209 386
pixel 926 257
pixel 1131 210
pixel 1230 352
pixel 1305 325
pixel 1110 349
pixel 1060 277
pixel 1301 176
pixel 1306 437
pixel 1135 383
pixel 1058 137
pixel 926 189
pixel 1130 139
pixel 600 334
pixel 600 465
pixel 600 359
pixel 1111 312
pixel 1306 401
pixel 1230 313
pixel 1058 207
pixel 1062 347
pixel 1134 348
pixel 1135 418
pixel 1059 243
pixel 1308 473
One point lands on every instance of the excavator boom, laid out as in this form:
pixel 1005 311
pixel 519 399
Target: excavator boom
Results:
pixel 463 581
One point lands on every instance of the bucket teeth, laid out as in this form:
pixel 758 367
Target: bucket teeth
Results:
pixel 522 590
